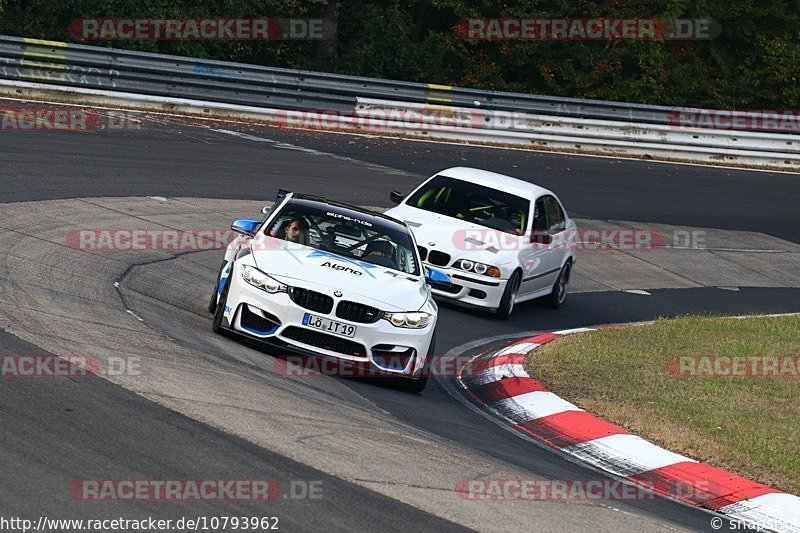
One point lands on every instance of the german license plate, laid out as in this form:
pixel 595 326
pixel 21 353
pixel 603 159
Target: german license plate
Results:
pixel 331 326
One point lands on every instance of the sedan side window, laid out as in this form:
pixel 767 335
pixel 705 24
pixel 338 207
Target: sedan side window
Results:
pixel 555 215
pixel 540 225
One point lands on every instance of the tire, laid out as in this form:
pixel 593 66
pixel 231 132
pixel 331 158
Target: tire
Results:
pixel 559 292
pixel 216 326
pixel 212 305
pixel 417 385
pixel 509 295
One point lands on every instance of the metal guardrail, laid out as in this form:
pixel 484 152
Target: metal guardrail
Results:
pixel 162 75
pixel 502 117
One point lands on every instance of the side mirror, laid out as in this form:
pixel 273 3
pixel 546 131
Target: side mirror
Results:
pixel 541 238
pixel 396 197
pixel 245 226
pixel 437 278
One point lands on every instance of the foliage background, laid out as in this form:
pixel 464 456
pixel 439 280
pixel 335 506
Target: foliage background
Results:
pixel 753 64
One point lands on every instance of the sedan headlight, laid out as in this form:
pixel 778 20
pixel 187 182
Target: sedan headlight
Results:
pixel 478 268
pixel 258 279
pixel 408 320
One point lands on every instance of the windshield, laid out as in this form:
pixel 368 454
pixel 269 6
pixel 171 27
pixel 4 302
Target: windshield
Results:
pixel 346 232
pixel 473 203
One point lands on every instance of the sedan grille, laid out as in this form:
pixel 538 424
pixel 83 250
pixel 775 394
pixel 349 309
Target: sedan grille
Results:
pixel 435 257
pixel 356 312
pixel 315 301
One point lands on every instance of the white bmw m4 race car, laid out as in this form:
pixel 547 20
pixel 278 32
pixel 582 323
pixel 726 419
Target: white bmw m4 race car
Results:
pixel 502 240
pixel 324 278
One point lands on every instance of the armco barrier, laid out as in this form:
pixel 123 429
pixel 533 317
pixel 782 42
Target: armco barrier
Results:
pixel 31 68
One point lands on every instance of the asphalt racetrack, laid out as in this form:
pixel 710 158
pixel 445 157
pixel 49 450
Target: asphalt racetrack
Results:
pixel 206 407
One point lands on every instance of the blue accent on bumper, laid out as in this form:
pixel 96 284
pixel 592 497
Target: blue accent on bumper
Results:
pixel 388 367
pixel 256 332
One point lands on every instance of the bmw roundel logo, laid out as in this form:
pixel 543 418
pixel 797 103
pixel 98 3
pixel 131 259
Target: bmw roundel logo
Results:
pixel 337 293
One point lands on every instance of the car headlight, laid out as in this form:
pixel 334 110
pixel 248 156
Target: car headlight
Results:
pixel 478 268
pixel 408 320
pixel 258 279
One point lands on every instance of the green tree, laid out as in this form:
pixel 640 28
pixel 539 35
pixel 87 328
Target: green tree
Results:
pixel 753 63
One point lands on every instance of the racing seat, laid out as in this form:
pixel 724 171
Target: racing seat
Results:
pixel 371 254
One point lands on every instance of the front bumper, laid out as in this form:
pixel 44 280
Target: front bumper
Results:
pixel 472 290
pixel 283 327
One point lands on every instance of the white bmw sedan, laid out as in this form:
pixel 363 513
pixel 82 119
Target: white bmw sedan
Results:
pixel 330 279
pixel 501 240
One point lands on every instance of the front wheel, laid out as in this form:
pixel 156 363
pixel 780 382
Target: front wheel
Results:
pixel 559 292
pixel 509 296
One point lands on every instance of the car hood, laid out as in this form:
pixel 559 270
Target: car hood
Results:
pixel 298 265
pixel 457 237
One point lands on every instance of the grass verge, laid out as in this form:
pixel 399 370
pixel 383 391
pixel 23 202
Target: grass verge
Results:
pixel 633 377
